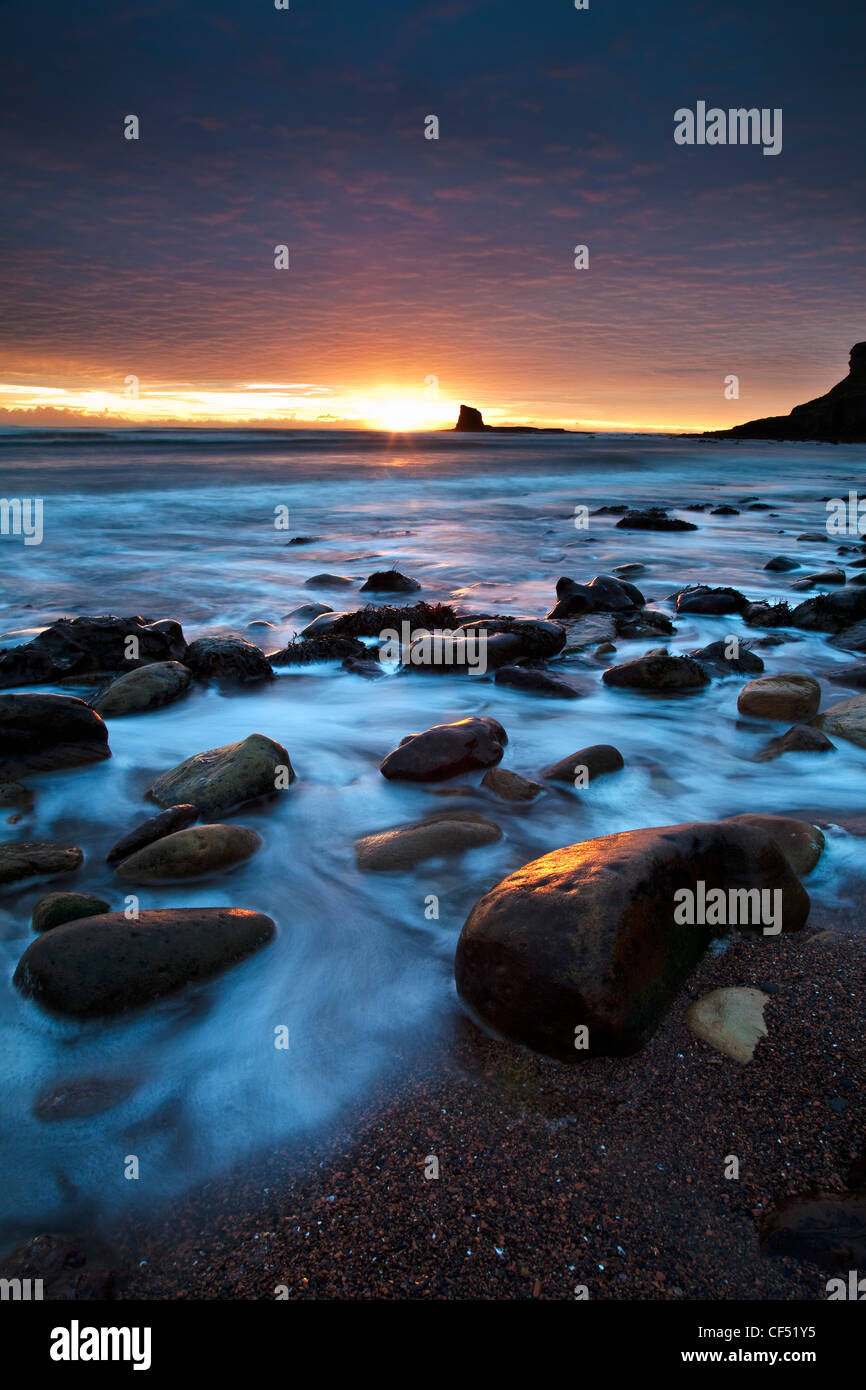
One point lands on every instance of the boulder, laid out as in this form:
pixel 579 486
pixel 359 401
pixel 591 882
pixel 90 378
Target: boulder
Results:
pixel 196 852
pixel 831 612
pixel 81 646
pixel 730 1020
pixel 598 759
pixel 845 720
pixel 653 519
pixel 801 843
pixel 603 594
pixel 404 846
pixel 510 640
pixel 510 786
pixel 715 657
pixel 56 908
pixel 39 733
pixel 217 781
pixel 658 671
pixel 781 564
pixel 800 738
pixel 148 687
pixel 308 611
pixel 853 675
pixel 323 625
pixel 104 965
pixel 36 859
pixel 329 581
pixel 587 937
pixel 701 599
pixel 166 823
pixel 447 750
pixel 389 582
pixel 851 638
pixel 329 647
pixel 533 682
pixel 228 660
pixel 788 696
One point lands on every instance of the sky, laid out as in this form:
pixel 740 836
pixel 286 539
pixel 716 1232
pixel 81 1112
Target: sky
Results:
pixel 138 280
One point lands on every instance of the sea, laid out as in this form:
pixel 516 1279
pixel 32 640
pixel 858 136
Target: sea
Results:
pixel 191 525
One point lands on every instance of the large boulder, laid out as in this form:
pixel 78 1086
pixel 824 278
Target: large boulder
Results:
pixel 658 671
pixel 148 687
pixel 789 695
pixel 404 846
pixel 104 965
pixel 227 660
pixel 22 860
pixel 846 720
pixel 589 937
pixel 39 733
pixel 217 781
pixel 831 612
pixel 196 852
pixel 82 646
pixel 603 594
pixel 446 750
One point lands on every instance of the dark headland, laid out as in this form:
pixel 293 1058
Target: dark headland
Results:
pixel 839 417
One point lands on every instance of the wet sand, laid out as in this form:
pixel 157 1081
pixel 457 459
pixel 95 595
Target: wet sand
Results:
pixel 608 1174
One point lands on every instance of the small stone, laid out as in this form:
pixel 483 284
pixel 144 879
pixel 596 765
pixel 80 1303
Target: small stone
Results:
pixel 730 1020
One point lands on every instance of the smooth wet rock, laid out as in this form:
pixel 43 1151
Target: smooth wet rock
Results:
pixel 845 720
pixel 197 852
pixel 789 695
pixel 447 750
pixel 589 763
pixel 21 860
pixel 510 640
pixel 390 582
pixel 701 599
pixel 175 818
pixel 228 660
pixel 510 786
pixel 329 581
pixel 851 638
pixel 603 594
pixel 801 843
pixel 78 646
pixel 658 671
pixel 533 682
pixel 586 936
pixel 323 625
pixel 800 738
pixel 217 781
pixel 730 1020
pixel 853 675
pixel 782 564
pixel 40 733
pixel 404 846
pixel 308 611
pixel 648 622
pixel 832 612
pixel 102 966
pixel 366 666
pixel 148 687
pixel 56 908
pixel 15 794
pixel 653 519
pixel 715 657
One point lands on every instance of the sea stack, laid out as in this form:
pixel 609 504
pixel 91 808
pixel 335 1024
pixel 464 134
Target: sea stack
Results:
pixel 469 420
pixel 839 417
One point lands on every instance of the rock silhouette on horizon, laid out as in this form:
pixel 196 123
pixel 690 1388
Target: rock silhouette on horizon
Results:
pixel 470 421
pixel 839 417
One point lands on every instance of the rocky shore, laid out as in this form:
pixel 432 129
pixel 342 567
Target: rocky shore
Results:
pixel 612 1044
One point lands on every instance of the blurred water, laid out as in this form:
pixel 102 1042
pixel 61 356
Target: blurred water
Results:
pixel 182 526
